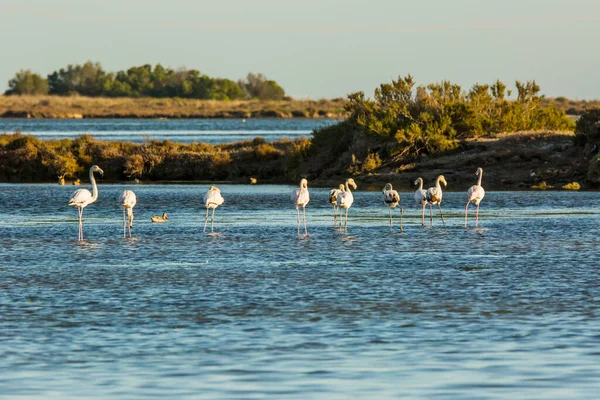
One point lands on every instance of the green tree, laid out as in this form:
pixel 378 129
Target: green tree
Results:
pixel 259 87
pixel 27 82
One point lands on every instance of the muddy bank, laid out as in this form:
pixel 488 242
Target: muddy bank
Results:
pixel 518 161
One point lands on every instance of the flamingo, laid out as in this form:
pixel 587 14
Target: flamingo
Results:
pixel 333 195
pixel 475 194
pixel 421 198
pixel 300 197
pixel 434 196
pixel 391 198
pixel 212 199
pixel 345 199
pixel 156 218
pixel 82 198
pixel 127 201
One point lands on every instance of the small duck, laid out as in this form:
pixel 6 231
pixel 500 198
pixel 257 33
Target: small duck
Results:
pixel 77 182
pixel 156 218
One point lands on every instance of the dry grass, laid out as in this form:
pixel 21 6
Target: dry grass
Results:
pixel 97 107
pixel 569 106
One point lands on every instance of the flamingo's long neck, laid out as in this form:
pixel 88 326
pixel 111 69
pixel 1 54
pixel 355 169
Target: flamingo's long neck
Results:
pixel 347 187
pixel 480 176
pixel 94 187
pixel 420 183
pixel 437 184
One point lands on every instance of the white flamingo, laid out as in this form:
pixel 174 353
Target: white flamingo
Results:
pixel 333 195
pixel 475 194
pixel 421 198
pixel 300 197
pixel 434 196
pixel 127 201
pixel 82 198
pixel 345 199
pixel 391 199
pixel 212 199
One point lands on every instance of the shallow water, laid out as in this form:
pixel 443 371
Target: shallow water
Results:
pixel 179 130
pixel 509 310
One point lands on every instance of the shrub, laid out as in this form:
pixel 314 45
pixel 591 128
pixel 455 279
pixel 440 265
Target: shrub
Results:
pixel 587 128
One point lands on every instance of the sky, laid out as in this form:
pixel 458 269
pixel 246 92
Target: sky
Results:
pixel 317 48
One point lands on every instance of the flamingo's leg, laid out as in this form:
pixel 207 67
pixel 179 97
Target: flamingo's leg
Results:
pixel 477 216
pixel 346 224
pixel 430 215
pixel 334 216
pixel 390 210
pixel 401 213
pixel 81 224
pixel 442 215
pixel 304 214
pixel 298 212
pixel 466 212
pixel 423 215
pixel 124 227
pixel 130 222
pixel 212 221
pixel 206 220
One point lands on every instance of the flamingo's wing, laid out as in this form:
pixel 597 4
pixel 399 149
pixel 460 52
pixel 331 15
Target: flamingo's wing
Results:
pixel 345 199
pixel 128 199
pixel 391 197
pixel 477 193
pixel 303 197
pixel 213 197
pixel 295 194
pixel 420 196
pixel 433 195
pixel 80 197
pixel 333 195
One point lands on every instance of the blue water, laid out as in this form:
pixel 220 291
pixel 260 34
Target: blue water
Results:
pixel 506 311
pixel 179 130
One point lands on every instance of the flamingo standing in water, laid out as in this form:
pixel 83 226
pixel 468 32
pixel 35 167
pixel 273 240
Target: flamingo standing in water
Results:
pixel 82 198
pixel 421 198
pixel 345 199
pixel 127 201
pixel 434 196
pixel 333 195
pixel 212 199
pixel 300 197
pixel 391 199
pixel 475 194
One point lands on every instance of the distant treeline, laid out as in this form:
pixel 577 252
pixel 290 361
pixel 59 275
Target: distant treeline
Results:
pixel 90 79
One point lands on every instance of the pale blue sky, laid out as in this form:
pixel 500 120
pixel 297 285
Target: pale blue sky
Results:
pixel 317 48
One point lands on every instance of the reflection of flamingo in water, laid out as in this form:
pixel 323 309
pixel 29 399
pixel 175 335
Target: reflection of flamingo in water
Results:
pixel 300 197
pixel 82 198
pixel 421 198
pixel 475 194
pixel 127 201
pixel 391 198
pixel 434 196
pixel 345 199
pixel 212 199
pixel 333 195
